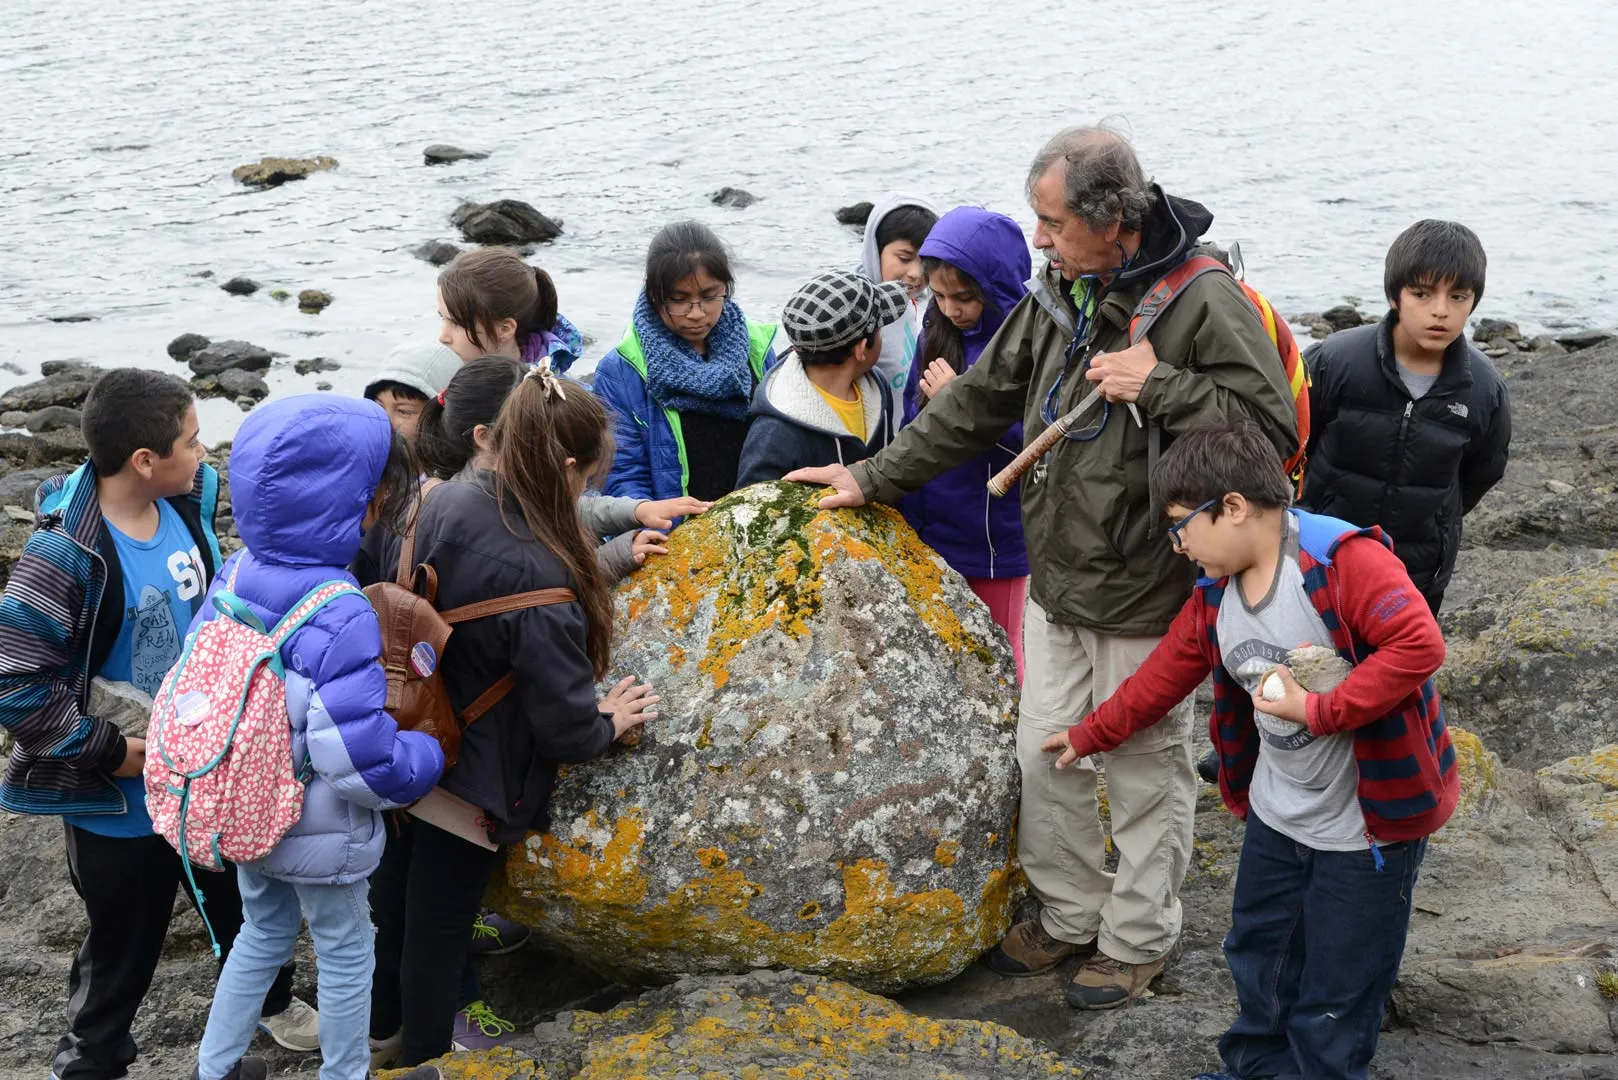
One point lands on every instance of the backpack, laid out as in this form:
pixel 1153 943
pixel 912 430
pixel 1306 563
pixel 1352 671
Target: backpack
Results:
pixel 414 634
pixel 220 783
pixel 1169 287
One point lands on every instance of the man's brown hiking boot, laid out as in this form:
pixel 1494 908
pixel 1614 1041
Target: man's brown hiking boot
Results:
pixel 1105 983
pixel 1028 950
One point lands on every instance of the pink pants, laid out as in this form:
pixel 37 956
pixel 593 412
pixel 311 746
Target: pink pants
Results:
pixel 1006 598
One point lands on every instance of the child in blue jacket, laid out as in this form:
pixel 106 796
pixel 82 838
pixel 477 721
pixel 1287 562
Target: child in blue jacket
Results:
pixel 345 450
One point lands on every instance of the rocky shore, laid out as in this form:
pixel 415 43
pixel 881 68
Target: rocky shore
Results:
pixel 1511 970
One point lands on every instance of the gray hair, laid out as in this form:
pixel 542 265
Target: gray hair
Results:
pixel 1104 183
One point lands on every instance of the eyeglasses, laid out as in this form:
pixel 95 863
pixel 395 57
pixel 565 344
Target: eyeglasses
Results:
pixel 704 303
pixel 1174 530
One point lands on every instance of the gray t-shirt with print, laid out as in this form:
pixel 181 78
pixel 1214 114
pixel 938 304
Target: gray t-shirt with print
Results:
pixel 1305 786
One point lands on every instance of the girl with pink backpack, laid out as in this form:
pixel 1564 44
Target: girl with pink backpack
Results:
pixel 306 474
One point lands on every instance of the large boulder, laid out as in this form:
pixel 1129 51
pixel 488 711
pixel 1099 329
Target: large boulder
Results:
pixel 831 782
pixel 504 221
pixel 1539 683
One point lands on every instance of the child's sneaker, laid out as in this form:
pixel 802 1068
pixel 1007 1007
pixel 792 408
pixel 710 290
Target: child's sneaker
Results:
pixel 477 1028
pixel 297 1027
pixel 385 1053
pixel 496 936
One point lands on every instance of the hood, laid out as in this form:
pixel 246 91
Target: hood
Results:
pixel 991 250
pixel 1172 230
pixel 563 343
pixel 302 470
pixel 870 256
pixel 787 393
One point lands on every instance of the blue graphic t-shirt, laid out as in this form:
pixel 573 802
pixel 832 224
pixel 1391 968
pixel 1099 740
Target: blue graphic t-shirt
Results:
pixel 163 587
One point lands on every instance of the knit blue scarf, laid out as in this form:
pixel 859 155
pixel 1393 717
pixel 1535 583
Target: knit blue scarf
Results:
pixel 679 378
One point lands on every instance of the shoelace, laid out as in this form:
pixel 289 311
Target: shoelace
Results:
pixel 483 929
pixel 491 1025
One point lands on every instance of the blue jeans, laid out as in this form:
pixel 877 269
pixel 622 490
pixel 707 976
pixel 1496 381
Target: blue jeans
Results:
pixel 340 926
pixel 1314 947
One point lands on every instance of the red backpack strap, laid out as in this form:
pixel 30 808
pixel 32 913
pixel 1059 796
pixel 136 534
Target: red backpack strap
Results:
pixel 1166 291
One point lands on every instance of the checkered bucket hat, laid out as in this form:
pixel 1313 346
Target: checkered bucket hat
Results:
pixel 834 310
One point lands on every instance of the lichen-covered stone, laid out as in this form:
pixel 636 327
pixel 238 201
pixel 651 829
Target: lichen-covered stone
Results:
pixel 1538 685
pixel 275 171
pixel 771 1025
pixel 832 781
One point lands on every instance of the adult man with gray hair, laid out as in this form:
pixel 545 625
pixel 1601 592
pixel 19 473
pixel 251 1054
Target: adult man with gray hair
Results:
pixel 1106 581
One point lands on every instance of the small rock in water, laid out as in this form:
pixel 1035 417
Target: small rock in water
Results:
pixel 225 355
pixel 54 418
pixel 275 171
pixel 735 198
pixel 444 154
pixel 313 301
pixel 1342 317
pixel 317 364
pixel 78 316
pixel 504 221
pixel 241 286
pixel 436 252
pixel 1321 329
pixel 11 368
pixel 280 294
pixel 183 346
pixel 243 384
pixel 855 214
pixel 245 404
pixel 1490 329
pixel 1317 668
pixel 323 386
pixel 1584 339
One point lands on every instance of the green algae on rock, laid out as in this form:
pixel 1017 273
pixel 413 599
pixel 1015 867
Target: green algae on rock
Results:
pixel 831 783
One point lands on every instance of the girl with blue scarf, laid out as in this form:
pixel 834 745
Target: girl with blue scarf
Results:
pixel 680 382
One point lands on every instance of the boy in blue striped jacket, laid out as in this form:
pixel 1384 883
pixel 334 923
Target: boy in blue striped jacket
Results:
pixel 119 561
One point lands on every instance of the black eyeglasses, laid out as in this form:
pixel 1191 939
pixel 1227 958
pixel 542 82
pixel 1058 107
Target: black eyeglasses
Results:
pixel 1174 530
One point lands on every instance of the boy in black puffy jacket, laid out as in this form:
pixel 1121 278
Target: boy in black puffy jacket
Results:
pixel 1410 423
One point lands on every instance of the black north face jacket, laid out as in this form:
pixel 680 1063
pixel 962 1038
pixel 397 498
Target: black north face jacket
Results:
pixel 1414 467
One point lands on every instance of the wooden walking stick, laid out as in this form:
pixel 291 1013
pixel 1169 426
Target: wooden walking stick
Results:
pixel 1001 482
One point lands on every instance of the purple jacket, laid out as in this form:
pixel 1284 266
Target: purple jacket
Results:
pixel 301 473
pixel 978 535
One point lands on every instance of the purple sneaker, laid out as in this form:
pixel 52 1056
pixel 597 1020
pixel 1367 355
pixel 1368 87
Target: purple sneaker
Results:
pixel 477 1028
pixel 495 936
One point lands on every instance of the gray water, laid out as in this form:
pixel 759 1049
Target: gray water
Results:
pixel 1315 132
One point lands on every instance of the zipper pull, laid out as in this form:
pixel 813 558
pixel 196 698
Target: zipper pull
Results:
pixel 1409 408
pixel 1376 852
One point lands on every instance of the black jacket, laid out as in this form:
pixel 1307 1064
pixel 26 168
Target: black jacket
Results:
pixel 1414 467
pixel 509 756
pixel 794 428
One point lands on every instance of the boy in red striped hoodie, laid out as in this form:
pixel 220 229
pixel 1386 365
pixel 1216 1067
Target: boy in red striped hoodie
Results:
pixel 1340 789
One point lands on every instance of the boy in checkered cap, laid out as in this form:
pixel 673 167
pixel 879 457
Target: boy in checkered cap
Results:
pixel 821 405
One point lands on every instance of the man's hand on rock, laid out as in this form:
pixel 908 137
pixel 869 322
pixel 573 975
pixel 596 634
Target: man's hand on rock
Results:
pixel 1121 375
pixel 832 476
pixel 629 704
pixel 660 513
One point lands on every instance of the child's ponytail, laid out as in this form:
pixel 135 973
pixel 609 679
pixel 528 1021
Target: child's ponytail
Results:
pixel 546 420
pixel 474 396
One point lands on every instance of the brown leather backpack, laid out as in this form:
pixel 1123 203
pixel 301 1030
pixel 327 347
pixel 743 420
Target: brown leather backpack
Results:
pixel 414 633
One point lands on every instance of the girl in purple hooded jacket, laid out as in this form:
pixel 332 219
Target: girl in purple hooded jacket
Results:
pixel 494 304
pixel 976 263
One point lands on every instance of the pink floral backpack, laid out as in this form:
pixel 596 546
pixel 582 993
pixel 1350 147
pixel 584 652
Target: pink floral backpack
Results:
pixel 220 782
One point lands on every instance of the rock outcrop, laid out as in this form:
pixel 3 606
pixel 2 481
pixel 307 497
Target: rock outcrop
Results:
pixel 229 355
pixel 275 171
pixel 66 383
pixel 831 783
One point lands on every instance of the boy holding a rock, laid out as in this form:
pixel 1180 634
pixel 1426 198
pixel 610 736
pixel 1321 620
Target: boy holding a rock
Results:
pixel 1338 758
pixel 93 617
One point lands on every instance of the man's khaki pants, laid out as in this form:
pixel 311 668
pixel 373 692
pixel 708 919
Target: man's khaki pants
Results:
pixel 1151 792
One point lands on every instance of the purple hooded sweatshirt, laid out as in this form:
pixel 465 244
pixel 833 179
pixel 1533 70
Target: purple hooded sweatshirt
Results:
pixel 978 535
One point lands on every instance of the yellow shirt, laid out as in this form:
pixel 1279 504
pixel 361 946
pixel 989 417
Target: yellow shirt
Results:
pixel 851 413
